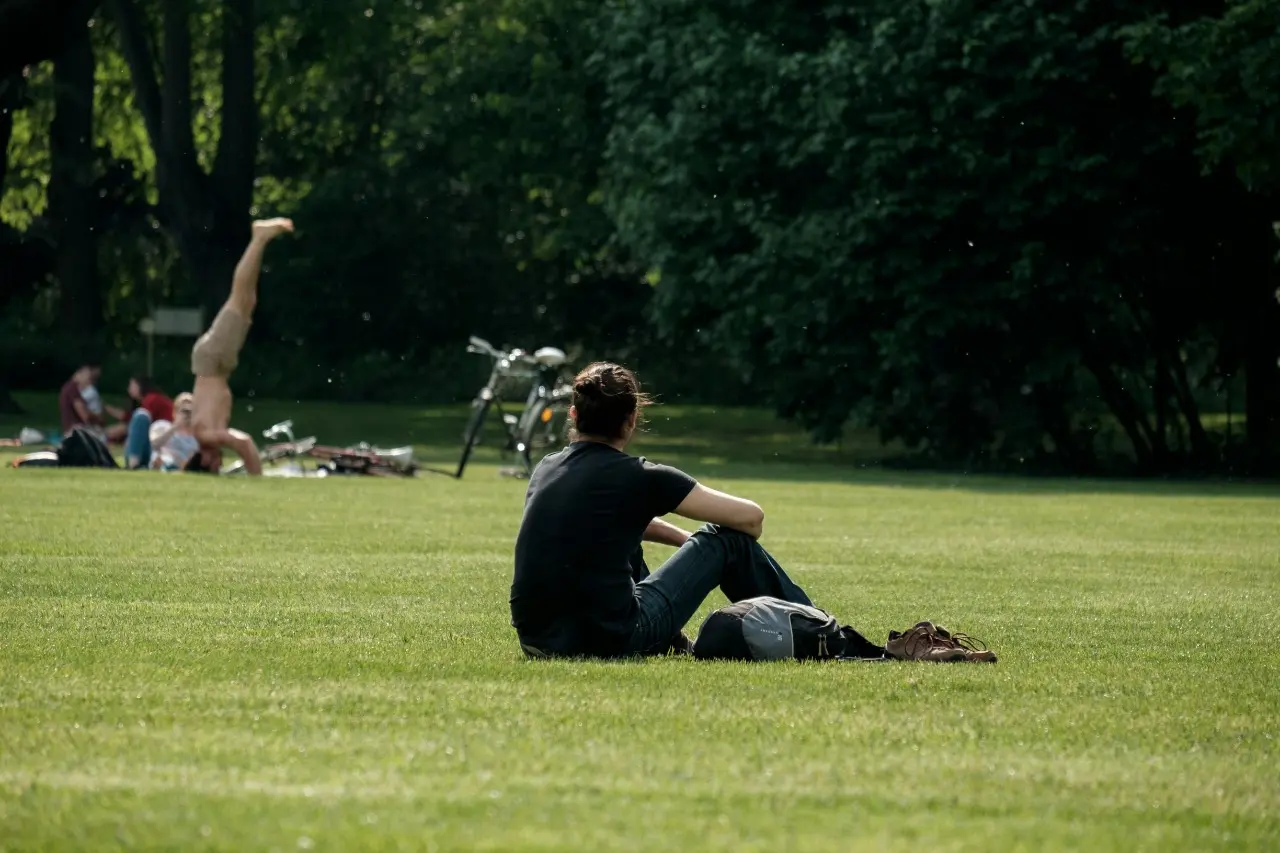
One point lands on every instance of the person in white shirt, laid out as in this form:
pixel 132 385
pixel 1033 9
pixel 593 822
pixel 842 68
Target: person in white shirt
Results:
pixel 174 444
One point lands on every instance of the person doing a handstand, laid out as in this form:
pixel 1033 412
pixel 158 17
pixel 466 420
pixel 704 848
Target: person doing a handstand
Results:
pixel 216 353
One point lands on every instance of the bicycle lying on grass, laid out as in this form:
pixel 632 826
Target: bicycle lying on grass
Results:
pixel 542 425
pixel 289 458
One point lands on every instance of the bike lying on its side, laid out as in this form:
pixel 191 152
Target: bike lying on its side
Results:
pixel 290 458
pixel 542 424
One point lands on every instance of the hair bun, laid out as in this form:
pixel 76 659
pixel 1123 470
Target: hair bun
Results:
pixel 605 395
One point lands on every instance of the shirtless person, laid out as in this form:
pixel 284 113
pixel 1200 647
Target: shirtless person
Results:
pixel 217 352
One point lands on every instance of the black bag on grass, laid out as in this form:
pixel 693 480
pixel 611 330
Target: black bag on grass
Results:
pixel 83 449
pixel 766 628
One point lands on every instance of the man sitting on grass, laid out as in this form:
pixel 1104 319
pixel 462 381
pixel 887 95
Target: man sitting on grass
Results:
pixel 216 353
pixel 72 406
pixel 581 586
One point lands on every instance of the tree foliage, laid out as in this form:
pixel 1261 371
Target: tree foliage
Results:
pixel 1002 234
pixel 966 224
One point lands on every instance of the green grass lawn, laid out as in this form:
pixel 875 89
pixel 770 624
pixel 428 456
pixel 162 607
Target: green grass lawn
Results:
pixel 202 663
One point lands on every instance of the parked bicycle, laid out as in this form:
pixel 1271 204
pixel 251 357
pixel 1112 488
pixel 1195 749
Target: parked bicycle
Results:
pixel 305 458
pixel 542 425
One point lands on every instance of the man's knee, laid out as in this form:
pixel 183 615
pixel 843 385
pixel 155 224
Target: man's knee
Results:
pixel 725 537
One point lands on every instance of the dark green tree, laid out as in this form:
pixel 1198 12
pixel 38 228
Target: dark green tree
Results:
pixel 1223 70
pixel 966 224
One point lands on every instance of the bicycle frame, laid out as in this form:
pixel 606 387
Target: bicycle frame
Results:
pixel 548 386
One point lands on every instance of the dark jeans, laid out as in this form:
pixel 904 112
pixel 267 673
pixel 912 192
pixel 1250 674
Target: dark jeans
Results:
pixel 713 557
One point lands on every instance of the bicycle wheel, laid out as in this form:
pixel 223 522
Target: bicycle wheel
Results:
pixel 479 410
pixel 547 432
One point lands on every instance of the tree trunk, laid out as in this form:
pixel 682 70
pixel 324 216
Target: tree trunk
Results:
pixel 1259 330
pixel 32 31
pixel 13 88
pixel 1201 447
pixel 206 215
pixel 1262 384
pixel 211 268
pixel 12 96
pixel 13 91
pixel 1126 411
pixel 71 189
pixel 237 156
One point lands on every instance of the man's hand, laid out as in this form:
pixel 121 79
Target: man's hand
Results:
pixel 269 229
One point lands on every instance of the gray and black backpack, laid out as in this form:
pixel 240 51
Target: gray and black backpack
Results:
pixel 765 628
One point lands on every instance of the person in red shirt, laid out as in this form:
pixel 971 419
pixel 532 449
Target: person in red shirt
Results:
pixel 145 394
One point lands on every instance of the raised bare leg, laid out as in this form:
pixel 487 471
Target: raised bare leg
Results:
pixel 244 284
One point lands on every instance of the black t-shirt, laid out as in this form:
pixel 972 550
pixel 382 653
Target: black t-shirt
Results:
pixel 585 514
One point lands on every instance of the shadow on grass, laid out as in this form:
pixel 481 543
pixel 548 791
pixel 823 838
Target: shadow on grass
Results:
pixel 713 443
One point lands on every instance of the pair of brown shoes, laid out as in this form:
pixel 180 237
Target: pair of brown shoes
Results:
pixel 929 642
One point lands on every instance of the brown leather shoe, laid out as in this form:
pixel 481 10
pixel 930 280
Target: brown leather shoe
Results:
pixel 929 642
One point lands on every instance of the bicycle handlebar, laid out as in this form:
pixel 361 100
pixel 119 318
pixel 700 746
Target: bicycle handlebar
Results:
pixel 516 356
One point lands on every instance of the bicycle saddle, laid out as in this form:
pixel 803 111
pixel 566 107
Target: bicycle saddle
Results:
pixel 550 356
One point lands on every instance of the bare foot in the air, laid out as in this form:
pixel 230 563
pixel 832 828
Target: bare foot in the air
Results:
pixel 269 229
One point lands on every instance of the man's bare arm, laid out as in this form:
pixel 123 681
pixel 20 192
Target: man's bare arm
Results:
pixel 704 504
pixel 238 442
pixel 665 533
pixel 243 445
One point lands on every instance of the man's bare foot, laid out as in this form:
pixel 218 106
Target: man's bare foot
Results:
pixel 269 229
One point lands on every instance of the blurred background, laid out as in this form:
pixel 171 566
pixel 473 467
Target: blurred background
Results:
pixel 1001 235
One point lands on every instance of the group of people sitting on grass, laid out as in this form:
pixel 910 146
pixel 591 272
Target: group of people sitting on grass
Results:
pixel 156 430
pixel 189 432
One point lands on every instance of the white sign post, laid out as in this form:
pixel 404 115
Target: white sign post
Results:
pixel 176 322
